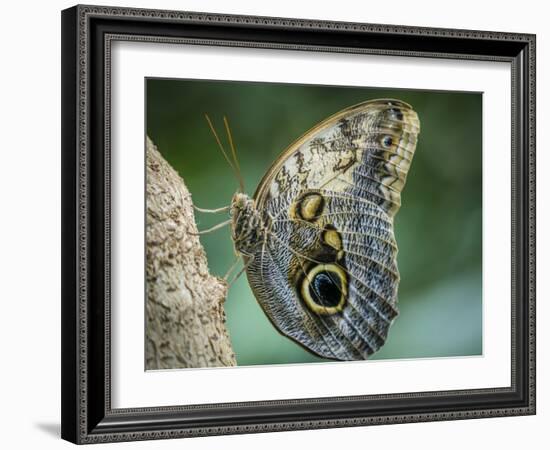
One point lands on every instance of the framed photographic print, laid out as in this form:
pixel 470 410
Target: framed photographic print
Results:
pixel 268 222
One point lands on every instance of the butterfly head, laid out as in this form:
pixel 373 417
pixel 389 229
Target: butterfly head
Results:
pixel 246 224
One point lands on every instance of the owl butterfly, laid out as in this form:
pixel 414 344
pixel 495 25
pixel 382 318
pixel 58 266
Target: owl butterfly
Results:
pixel 317 238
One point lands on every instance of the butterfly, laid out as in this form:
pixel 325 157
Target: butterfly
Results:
pixel 317 237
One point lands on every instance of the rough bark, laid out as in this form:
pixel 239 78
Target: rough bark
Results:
pixel 185 316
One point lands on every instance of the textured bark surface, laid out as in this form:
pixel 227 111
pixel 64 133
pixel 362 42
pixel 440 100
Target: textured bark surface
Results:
pixel 185 316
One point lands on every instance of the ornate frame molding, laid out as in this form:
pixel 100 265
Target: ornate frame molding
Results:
pixel 88 31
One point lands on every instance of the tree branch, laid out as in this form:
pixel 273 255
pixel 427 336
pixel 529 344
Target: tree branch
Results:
pixel 185 323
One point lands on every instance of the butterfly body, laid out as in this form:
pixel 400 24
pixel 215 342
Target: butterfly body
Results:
pixel 318 238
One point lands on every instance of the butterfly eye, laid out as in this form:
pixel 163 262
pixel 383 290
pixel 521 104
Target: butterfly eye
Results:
pixel 324 289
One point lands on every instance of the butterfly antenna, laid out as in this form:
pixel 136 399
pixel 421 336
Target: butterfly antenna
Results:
pixel 221 148
pixel 234 153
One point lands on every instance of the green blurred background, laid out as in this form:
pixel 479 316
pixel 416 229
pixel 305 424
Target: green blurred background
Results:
pixel 438 228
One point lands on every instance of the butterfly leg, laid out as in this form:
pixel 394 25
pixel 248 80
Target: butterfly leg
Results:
pixel 214 228
pixel 237 260
pixel 212 211
pixel 236 277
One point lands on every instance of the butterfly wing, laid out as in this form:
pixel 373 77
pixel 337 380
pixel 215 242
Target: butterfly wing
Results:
pixel 326 272
pixel 366 149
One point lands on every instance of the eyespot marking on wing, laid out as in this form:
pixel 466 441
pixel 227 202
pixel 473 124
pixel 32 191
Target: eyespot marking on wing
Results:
pixel 308 206
pixel 324 289
pixel 333 239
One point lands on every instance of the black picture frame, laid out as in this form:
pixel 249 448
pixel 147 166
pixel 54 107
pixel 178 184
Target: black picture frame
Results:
pixel 87 415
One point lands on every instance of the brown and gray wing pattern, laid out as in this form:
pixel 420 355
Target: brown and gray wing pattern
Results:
pixel 326 272
pixel 370 144
pixel 294 248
